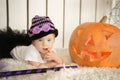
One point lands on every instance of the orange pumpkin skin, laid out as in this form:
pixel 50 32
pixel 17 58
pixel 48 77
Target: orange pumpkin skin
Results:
pixel 95 44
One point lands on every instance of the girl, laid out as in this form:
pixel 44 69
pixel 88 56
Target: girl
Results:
pixel 41 37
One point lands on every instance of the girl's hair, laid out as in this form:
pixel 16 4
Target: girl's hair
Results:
pixel 10 39
pixel 41 26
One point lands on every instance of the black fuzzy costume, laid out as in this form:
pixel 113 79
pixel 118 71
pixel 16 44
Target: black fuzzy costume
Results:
pixel 11 38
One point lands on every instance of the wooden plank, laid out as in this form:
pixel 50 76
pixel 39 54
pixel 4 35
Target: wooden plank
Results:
pixel 103 8
pixel 3 21
pixel 55 12
pixel 88 13
pixel 72 8
pixel 17 14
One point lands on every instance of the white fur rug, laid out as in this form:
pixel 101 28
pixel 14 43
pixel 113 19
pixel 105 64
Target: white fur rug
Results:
pixel 80 73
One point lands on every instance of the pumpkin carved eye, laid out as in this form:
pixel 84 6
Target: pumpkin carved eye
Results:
pixel 107 34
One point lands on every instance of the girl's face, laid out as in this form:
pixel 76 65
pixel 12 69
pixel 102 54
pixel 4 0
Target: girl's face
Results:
pixel 45 43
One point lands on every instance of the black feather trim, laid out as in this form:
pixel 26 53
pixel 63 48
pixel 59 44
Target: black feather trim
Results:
pixel 10 39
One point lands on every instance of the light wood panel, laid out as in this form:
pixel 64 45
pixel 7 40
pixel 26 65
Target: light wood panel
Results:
pixel 72 8
pixel 18 14
pixel 103 8
pixel 3 21
pixel 88 11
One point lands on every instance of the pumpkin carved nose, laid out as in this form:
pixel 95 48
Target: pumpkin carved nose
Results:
pixel 90 42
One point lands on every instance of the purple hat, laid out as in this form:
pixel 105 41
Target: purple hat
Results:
pixel 41 26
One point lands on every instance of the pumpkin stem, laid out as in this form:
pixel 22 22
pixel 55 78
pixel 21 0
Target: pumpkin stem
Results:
pixel 103 20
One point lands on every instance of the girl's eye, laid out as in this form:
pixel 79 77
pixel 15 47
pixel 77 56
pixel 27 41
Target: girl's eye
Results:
pixel 49 39
pixel 40 40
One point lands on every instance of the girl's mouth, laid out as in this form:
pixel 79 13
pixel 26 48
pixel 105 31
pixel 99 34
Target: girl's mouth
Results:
pixel 45 49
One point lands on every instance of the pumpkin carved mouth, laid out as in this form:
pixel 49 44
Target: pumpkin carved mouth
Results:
pixel 93 56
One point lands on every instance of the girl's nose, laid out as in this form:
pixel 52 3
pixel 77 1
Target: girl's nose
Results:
pixel 45 44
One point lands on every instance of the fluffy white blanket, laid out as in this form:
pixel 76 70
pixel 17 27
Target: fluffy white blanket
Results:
pixel 80 73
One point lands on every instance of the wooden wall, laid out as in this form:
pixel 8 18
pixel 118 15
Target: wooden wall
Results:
pixel 65 14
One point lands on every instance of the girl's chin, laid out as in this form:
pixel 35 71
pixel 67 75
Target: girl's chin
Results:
pixel 44 52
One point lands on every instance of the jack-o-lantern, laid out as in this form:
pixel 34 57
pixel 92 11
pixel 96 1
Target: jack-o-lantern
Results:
pixel 95 44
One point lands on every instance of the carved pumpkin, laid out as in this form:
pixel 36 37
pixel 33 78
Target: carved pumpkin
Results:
pixel 95 44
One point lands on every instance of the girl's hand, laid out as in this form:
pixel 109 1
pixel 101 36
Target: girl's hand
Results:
pixel 52 56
